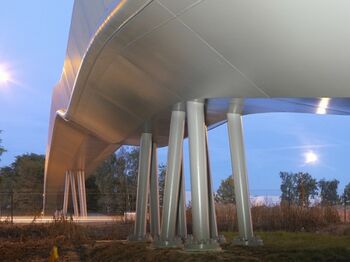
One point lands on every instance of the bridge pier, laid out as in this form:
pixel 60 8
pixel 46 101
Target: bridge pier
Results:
pixel 84 191
pixel 80 175
pixel 66 194
pixel 181 215
pixel 245 226
pixel 142 188
pixel 212 213
pixel 74 193
pixel 154 195
pixel 70 179
pixel 201 240
pixel 173 209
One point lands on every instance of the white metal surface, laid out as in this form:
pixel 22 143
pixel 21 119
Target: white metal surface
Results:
pixel 130 61
pixel 198 167
pixel 173 179
pixel 142 187
pixel 154 194
pixel 181 215
pixel 74 194
pixel 240 177
pixel 66 194
pixel 212 212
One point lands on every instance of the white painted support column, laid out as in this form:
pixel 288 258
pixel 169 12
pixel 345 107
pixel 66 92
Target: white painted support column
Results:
pixel 199 180
pixel 142 188
pixel 74 194
pixel 245 227
pixel 84 192
pixel 154 194
pixel 66 195
pixel 80 193
pixel 212 213
pixel 181 215
pixel 168 236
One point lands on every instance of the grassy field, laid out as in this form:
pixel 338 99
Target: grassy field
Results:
pixel 278 246
pixel 82 243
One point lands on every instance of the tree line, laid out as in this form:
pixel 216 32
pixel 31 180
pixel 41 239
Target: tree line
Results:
pixel 110 189
pixel 296 189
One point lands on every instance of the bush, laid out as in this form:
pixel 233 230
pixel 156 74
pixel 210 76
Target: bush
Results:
pixel 279 217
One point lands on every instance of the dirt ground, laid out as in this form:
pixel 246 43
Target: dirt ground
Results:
pixel 104 243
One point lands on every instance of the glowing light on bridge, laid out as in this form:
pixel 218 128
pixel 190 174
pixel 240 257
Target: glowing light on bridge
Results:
pixel 323 106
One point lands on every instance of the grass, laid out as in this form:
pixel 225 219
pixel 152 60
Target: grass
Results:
pixel 278 246
pixel 34 243
pixel 298 246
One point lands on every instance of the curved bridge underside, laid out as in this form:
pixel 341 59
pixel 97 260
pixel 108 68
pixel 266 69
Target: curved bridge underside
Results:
pixel 129 62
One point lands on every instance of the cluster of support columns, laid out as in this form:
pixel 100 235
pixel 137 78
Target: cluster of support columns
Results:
pixel 73 179
pixel 173 231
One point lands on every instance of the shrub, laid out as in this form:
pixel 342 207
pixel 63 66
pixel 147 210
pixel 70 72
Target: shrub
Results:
pixel 279 217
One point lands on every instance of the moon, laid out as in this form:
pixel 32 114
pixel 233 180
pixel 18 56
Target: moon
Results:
pixel 310 157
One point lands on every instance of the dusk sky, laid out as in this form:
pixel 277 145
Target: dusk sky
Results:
pixel 33 39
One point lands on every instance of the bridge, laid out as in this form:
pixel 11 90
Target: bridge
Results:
pixel 152 72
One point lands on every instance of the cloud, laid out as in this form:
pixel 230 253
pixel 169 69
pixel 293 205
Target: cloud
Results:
pixel 284 148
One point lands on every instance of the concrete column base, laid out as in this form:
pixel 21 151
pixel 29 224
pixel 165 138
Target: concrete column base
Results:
pixel 252 242
pixel 221 239
pixel 193 245
pixel 177 242
pixel 137 238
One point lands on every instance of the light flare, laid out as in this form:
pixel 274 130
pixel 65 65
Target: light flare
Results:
pixel 4 75
pixel 323 106
pixel 310 157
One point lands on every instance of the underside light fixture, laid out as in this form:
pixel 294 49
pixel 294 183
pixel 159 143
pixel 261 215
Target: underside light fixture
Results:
pixel 323 106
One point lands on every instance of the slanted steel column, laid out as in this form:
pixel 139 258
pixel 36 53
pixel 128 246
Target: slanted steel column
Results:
pixel 212 214
pixel 84 191
pixel 181 213
pixel 80 193
pixel 245 227
pixel 199 180
pixel 142 188
pixel 154 194
pixel 172 180
pixel 66 194
pixel 74 194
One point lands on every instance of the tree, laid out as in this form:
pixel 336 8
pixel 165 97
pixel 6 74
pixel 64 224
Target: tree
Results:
pixel 346 195
pixel 105 181
pixel 116 180
pixel 297 188
pixel 2 150
pixel 161 181
pixel 306 188
pixel 131 172
pixel 92 193
pixel 225 193
pixel 288 187
pixel 25 177
pixel 328 191
pixel 126 178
